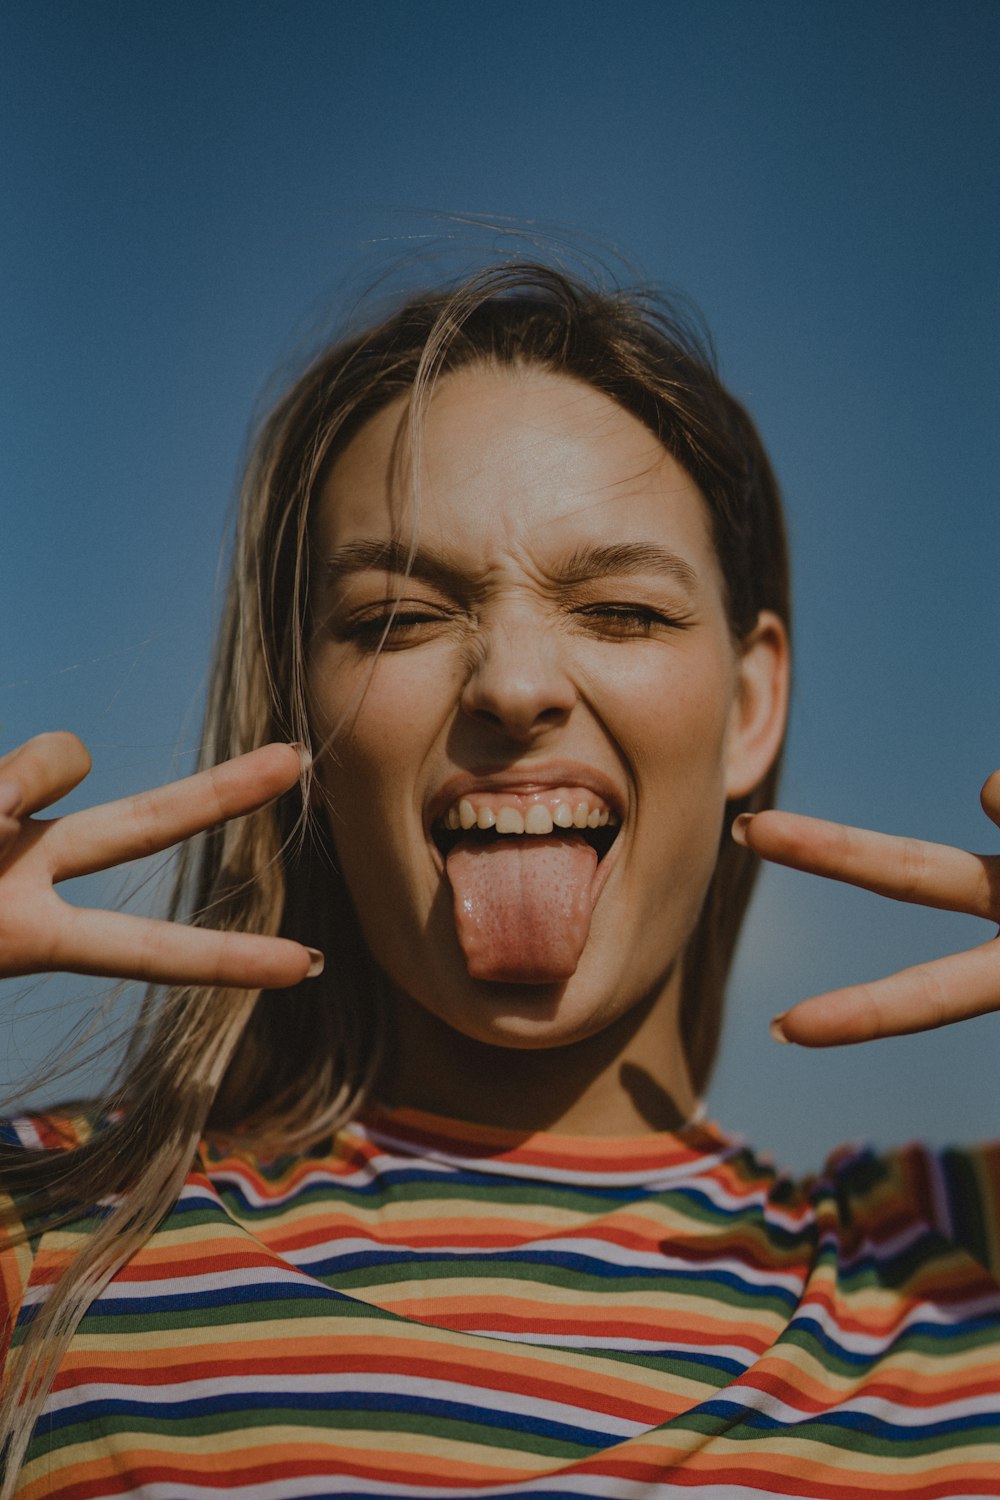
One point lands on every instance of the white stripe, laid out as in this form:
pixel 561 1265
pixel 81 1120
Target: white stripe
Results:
pixel 586 1486
pixel 939 1192
pixel 27 1132
pixel 275 1274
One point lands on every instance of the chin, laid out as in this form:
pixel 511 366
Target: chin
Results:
pixel 530 1017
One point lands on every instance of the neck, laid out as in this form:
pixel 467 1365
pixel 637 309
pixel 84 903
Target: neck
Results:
pixel 628 1079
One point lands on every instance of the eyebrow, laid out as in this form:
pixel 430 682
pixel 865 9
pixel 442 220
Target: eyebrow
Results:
pixel 582 565
pixel 624 558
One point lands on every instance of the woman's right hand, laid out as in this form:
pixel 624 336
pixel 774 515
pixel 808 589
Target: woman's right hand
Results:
pixel 39 932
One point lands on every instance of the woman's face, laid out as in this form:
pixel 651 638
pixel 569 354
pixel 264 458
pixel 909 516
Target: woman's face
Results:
pixel 558 653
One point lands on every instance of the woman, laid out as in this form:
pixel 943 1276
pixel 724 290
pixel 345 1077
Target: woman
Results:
pixel 442 1219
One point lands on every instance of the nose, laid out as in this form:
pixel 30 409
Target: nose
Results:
pixel 518 681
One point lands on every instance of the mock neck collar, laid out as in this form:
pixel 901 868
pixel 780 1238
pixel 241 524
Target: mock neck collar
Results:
pixel 653 1156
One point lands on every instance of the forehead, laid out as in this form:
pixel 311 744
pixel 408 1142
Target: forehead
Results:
pixel 512 458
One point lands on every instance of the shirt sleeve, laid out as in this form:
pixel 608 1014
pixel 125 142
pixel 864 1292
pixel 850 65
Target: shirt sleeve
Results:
pixel 57 1131
pixel 16 1252
pixel 953 1192
pixel 968 1200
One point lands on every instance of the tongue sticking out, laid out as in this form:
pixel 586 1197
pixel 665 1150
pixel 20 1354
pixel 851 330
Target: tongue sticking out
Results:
pixel 523 905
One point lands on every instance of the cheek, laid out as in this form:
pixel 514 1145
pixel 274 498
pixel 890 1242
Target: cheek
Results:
pixel 670 718
pixel 373 724
pixel 673 730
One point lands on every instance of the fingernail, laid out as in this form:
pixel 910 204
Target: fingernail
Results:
pixel 777 1030
pixel 316 967
pixel 10 798
pixel 739 828
pixel 303 752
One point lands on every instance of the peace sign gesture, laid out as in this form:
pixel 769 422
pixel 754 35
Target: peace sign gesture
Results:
pixel 931 994
pixel 40 932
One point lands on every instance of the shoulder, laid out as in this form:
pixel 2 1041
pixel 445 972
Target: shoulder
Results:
pixel 949 1193
pixel 31 1145
pixel 60 1129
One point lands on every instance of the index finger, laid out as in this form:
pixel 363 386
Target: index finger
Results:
pixel 905 869
pixel 100 837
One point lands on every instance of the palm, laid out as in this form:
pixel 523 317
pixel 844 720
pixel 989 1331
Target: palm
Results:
pixel 41 932
pixel 930 994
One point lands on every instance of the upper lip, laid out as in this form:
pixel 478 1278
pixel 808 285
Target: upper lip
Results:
pixel 527 779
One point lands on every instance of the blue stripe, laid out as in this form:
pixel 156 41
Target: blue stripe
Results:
pixel 332 1402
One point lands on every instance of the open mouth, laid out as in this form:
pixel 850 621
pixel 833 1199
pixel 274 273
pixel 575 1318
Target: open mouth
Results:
pixel 525 869
pixel 599 839
pixel 486 818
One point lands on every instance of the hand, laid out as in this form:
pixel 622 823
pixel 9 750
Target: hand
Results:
pixel 39 932
pixel 931 994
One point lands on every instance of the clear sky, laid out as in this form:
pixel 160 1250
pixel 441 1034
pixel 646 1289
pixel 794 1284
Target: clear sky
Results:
pixel 193 189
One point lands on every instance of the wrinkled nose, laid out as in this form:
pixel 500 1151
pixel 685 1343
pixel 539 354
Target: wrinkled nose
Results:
pixel 518 681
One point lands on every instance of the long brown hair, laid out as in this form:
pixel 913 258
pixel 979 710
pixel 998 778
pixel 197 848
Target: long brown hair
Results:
pixel 286 1071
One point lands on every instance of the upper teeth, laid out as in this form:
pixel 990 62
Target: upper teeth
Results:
pixel 542 813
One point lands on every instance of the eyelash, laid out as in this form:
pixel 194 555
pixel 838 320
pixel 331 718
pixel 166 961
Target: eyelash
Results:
pixel 634 620
pixel 374 631
pixel 390 625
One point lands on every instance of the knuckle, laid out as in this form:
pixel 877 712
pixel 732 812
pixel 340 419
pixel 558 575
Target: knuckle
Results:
pixel 934 997
pixel 217 790
pixel 874 1020
pixel 143 816
pixel 841 845
pixel 146 946
pixel 912 858
pixel 220 958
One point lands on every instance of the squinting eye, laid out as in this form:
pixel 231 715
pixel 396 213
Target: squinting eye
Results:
pixel 387 626
pixel 627 620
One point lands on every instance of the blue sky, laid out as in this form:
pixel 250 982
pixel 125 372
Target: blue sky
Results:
pixel 194 191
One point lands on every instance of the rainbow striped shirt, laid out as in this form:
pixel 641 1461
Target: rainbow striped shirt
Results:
pixel 422 1309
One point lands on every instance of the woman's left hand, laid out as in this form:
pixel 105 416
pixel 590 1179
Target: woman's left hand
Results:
pixel 931 994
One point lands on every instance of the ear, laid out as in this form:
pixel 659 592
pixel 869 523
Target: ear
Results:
pixel 760 705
